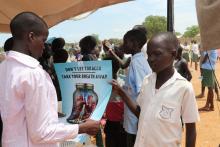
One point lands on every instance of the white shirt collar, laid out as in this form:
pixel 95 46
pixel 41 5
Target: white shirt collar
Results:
pixel 175 76
pixel 23 58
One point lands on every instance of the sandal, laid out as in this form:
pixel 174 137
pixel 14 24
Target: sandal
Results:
pixel 204 109
pixel 200 96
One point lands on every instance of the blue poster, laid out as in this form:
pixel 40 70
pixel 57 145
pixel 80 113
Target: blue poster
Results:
pixel 85 90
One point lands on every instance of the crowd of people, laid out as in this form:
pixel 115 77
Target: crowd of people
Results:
pixel 149 109
pixel 207 62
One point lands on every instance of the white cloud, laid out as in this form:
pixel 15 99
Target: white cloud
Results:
pixel 184 14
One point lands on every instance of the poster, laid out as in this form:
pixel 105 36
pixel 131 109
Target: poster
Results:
pixel 85 89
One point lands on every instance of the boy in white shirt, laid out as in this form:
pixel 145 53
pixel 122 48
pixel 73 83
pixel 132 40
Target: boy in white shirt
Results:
pixel 28 103
pixel 195 54
pixel 165 96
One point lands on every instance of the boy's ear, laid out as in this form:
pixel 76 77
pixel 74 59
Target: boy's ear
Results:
pixel 31 36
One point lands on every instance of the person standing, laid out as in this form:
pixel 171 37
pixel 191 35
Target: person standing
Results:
pixel 143 29
pixel 7 47
pixel 186 50
pixel 202 94
pixel 208 78
pixel 181 65
pixel 28 98
pixel 133 42
pixel 88 45
pixel 195 54
pixel 115 135
pixel 164 98
pixel 60 55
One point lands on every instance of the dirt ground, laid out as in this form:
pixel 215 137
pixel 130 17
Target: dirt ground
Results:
pixel 208 129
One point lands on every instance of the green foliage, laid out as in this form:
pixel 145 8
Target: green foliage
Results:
pixel 155 24
pixel 96 37
pixel 115 41
pixel 1 49
pixel 191 32
pixel 178 33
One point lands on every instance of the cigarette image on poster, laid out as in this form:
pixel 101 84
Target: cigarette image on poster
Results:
pixel 85 100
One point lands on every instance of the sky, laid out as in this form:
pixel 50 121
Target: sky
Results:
pixel 114 21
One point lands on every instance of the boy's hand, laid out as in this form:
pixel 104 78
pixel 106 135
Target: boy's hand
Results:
pixel 107 44
pixel 116 87
pixel 129 102
pixel 90 127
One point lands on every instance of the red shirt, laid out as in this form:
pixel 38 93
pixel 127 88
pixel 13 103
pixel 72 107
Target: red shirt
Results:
pixel 115 110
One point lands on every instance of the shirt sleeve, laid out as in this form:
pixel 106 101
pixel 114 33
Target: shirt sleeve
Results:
pixel 140 96
pixel 41 116
pixel 189 109
pixel 139 74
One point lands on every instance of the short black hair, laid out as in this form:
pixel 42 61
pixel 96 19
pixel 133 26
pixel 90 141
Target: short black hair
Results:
pixel 141 28
pixel 60 56
pixel 26 22
pixel 8 44
pixel 137 36
pixel 57 44
pixel 168 38
pixel 87 44
pixel 115 62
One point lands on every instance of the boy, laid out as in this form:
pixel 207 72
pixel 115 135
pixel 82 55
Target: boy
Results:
pixel 60 55
pixel 165 96
pixel 181 65
pixel 88 47
pixel 208 64
pixel 114 132
pixel 195 54
pixel 143 30
pixel 133 42
pixel 28 98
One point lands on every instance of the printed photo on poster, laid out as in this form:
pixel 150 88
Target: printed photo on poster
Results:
pixel 85 100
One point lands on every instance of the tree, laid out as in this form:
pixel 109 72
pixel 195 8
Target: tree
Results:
pixel 115 41
pixel 178 33
pixel 155 24
pixel 96 37
pixel 1 49
pixel 191 32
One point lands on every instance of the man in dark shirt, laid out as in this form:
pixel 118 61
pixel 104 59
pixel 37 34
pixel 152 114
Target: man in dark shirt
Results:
pixel 181 65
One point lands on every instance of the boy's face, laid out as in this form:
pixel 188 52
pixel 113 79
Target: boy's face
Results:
pixel 128 46
pixel 159 57
pixel 37 43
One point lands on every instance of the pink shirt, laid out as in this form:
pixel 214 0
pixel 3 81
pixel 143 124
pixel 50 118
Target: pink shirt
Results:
pixel 29 105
